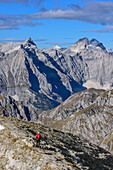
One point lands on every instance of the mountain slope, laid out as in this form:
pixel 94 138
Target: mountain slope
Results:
pixel 57 150
pixel 94 121
pixel 73 104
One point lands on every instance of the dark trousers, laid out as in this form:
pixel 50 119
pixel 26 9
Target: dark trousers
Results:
pixel 38 142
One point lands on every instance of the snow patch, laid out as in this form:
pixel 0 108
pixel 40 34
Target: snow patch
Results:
pixel 56 47
pixel 2 127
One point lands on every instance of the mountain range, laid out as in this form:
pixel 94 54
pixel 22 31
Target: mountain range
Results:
pixel 67 89
pixel 55 73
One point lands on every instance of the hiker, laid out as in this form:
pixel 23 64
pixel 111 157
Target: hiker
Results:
pixel 38 138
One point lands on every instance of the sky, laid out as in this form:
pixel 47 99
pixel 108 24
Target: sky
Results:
pixel 56 22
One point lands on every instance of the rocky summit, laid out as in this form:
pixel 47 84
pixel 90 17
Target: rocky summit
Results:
pixel 57 150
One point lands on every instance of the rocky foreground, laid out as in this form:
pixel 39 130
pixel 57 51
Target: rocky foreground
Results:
pixel 57 150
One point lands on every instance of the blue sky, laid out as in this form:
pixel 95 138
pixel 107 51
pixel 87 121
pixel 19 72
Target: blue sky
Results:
pixel 56 22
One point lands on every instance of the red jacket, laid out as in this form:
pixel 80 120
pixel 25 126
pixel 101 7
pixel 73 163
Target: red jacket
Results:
pixel 37 136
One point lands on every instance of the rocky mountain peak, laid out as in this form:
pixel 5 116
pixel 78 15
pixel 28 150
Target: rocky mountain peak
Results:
pixel 81 44
pixel 83 41
pixel 96 43
pixel 55 47
pixel 29 41
pixel 29 46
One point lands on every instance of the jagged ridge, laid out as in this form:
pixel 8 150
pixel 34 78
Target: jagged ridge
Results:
pixel 55 73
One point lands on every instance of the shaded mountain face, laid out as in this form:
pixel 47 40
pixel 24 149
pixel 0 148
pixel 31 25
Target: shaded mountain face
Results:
pixel 11 107
pixel 53 72
pixel 57 150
